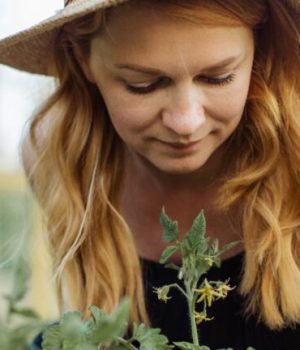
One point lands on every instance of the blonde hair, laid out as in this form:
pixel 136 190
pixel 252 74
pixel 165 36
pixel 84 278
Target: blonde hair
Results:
pixel 79 170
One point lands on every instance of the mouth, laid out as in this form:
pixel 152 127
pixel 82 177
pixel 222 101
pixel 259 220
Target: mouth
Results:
pixel 181 145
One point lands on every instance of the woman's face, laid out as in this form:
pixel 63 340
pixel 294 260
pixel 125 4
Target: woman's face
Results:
pixel 175 91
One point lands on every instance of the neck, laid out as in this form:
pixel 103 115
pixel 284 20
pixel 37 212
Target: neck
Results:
pixel 146 190
pixel 140 172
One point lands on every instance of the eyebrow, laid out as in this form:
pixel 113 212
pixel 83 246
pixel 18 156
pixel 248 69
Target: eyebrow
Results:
pixel 153 71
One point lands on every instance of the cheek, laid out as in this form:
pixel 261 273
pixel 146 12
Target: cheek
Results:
pixel 130 113
pixel 229 107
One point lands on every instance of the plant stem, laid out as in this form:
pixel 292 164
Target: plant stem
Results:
pixel 193 324
pixel 126 344
pixel 191 305
pixel 179 288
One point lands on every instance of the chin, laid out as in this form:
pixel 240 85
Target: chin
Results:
pixel 183 166
pixel 182 171
pixel 179 169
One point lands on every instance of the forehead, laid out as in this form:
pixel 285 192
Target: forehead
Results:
pixel 139 33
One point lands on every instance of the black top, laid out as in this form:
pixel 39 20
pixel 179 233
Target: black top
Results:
pixel 229 327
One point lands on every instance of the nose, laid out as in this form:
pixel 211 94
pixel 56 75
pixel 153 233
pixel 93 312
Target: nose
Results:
pixel 184 113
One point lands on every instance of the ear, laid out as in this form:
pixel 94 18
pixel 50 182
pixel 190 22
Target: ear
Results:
pixel 85 66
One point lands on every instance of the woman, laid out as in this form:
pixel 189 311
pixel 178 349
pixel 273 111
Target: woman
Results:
pixel 188 105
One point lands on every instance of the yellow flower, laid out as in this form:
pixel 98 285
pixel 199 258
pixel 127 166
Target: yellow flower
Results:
pixel 223 289
pixel 208 293
pixel 201 316
pixel 162 293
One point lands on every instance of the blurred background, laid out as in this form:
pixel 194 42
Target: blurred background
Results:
pixel 20 227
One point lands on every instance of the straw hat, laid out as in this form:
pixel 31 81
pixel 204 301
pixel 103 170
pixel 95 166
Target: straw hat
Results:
pixel 29 50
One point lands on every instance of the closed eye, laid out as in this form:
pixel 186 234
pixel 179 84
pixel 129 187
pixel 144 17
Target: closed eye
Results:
pixel 162 82
pixel 218 81
pixel 147 88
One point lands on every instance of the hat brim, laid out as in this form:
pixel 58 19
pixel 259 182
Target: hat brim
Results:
pixel 30 50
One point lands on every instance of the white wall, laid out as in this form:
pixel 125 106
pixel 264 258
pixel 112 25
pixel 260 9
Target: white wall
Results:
pixel 20 92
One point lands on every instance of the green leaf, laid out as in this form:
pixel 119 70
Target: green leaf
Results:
pixel 25 312
pixel 17 337
pixel 214 247
pixel 170 227
pixel 217 261
pixel 198 246
pixel 167 253
pixel 189 346
pixel 70 334
pixel 202 267
pixel 187 246
pixel 98 314
pixel 110 327
pixel 120 347
pixel 4 337
pixel 85 346
pixel 172 266
pixel 198 229
pixel 32 347
pixel 228 246
pixel 150 338
pixel 21 278
pixel 52 339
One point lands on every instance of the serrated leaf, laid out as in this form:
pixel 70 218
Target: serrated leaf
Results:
pixel 52 338
pixel 214 247
pixel 228 246
pixel 113 325
pixel 170 227
pixel 186 246
pixel 69 334
pixel 74 343
pixel 98 314
pixel 150 338
pixel 198 228
pixel 167 253
pixel 73 329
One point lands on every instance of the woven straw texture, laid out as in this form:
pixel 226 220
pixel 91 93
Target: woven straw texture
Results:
pixel 30 50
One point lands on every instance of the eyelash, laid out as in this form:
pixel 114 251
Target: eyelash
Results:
pixel 152 87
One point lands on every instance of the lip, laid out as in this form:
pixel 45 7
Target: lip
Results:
pixel 182 146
